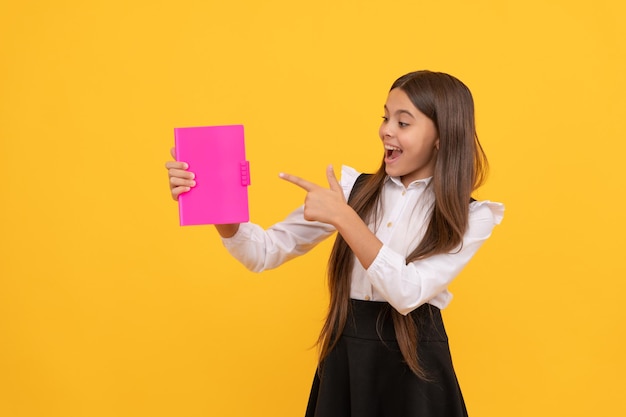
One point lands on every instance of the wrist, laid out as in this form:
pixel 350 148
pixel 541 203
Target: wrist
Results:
pixel 345 217
pixel 227 230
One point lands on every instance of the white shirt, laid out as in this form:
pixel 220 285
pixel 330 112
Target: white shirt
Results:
pixel 404 217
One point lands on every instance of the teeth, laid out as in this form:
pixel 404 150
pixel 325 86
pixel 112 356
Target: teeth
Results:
pixel 391 148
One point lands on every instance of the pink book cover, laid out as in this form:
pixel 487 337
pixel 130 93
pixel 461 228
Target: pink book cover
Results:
pixel 216 155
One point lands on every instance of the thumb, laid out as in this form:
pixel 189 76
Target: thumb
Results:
pixel 332 179
pixel 173 152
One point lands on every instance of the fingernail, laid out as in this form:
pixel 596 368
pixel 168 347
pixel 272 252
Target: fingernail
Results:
pixel 193 183
pixel 193 176
pixel 281 174
pixel 185 165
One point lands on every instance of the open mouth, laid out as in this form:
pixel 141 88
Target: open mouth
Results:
pixel 392 153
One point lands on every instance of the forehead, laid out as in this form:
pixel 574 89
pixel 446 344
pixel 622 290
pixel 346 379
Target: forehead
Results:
pixel 398 102
pixel 397 99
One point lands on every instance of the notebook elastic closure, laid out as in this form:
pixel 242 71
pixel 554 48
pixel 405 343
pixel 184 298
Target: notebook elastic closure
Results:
pixel 245 173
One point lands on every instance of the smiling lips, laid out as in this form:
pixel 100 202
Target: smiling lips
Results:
pixel 392 153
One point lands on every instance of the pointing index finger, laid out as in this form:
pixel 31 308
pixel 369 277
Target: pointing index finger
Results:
pixel 302 183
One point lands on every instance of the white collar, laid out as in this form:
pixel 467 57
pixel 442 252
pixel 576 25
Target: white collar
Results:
pixel 413 184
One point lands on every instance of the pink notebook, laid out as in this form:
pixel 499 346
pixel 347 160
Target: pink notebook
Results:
pixel 216 155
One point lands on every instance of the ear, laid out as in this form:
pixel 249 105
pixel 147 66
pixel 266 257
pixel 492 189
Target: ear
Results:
pixel 437 144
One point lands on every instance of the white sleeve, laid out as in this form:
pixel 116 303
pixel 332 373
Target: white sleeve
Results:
pixel 407 287
pixel 259 249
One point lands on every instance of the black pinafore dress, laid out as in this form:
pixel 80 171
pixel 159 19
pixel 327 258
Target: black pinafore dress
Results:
pixel 365 374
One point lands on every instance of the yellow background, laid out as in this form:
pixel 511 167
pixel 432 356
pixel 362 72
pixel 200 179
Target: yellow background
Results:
pixel 109 308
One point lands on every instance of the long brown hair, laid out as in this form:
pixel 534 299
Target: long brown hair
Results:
pixel 460 168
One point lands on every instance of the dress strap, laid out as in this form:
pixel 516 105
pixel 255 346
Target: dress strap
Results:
pixel 357 184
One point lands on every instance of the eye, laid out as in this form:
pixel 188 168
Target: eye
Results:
pixel 402 124
pixel 385 119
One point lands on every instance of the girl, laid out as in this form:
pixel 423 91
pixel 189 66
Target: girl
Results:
pixel 403 234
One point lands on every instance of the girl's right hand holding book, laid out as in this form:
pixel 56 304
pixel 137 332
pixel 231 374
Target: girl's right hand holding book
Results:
pixel 180 179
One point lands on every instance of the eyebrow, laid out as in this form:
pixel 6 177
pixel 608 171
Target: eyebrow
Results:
pixel 401 111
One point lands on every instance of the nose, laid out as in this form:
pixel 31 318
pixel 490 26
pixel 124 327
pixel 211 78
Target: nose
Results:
pixel 385 130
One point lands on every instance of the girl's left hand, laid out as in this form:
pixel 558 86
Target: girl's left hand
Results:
pixel 321 204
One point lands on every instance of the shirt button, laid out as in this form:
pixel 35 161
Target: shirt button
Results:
pixel 403 192
pixel 389 224
pixel 367 298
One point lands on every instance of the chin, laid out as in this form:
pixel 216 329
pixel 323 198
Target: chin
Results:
pixel 392 172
